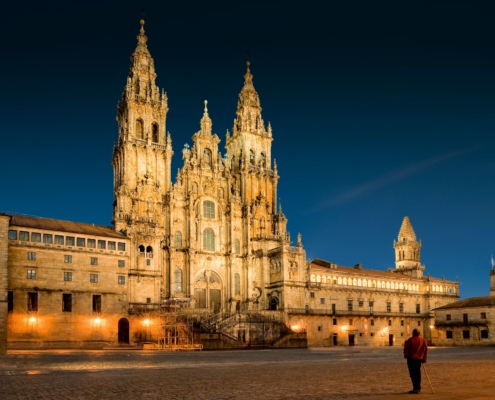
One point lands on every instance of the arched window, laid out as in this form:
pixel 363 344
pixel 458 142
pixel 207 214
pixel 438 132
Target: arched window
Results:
pixel 149 249
pixel 339 281
pixel 208 240
pixel 154 130
pixel 237 246
pixel 388 285
pixel 251 157
pixel 354 282
pixel 313 278
pixel 344 282
pixel 208 209
pixel 323 279
pixel 178 280
pixel 263 160
pixel 207 157
pixel 141 248
pixel 178 239
pixel 318 278
pixel 273 304
pixel 237 284
pixel 232 162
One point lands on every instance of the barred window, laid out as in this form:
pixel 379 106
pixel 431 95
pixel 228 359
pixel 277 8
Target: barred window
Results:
pixel 68 276
pixel 102 244
pixel 111 245
pixel 12 235
pixel 67 259
pixel 36 237
pixel 401 307
pixel 93 278
pixel 121 280
pixel 208 240
pixel 69 240
pixel 32 301
pixel 96 303
pixel 94 261
pixel 389 306
pixel 31 274
pixel 91 243
pixel 24 236
pixel 349 305
pixel 418 308
pixel 47 238
pixel 121 263
pixel 59 239
pixel 81 242
pixel 121 246
pixel 31 255
pixel 208 209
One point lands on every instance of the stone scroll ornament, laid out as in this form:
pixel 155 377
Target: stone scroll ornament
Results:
pixel 256 293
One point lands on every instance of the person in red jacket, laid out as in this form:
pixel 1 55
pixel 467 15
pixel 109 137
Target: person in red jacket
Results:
pixel 416 353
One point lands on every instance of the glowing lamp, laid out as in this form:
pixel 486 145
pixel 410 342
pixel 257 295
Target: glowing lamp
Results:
pixel 432 326
pixel 32 320
pixel 146 322
pixel 295 328
pixel 97 321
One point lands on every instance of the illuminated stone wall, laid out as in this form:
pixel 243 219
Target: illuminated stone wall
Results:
pixel 4 227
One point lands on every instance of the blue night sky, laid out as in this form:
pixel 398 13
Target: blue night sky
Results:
pixel 379 110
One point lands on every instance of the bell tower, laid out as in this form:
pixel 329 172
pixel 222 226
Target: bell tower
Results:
pixel 142 157
pixel 141 163
pixel 407 251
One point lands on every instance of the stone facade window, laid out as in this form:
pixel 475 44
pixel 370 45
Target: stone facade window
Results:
pixel 36 237
pixel 251 157
pixel 483 315
pixel 59 239
pixel 237 284
pixel 102 244
pixel 111 245
pixel 418 308
pixel 67 276
pixel 263 160
pixel 208 209
pixel 322 300
pixel 154 130
pixel 67 259
pixel 139 129
pixel 121 263
pixel 349 305
pixel 47 238
pixel 32 301
pixel 81 242
pixel 96 303
pixel 24 236
pixel 121 280
pixel 12 235
pixel 91 243
pixel 389 306
pixel 121 246
pixel 178 239
pixel 31 274
pixel 31 255
pixel 178 280
pixel 10 301
pixel 401 307
pixel 466 334
pixel 449 335
pixel 94 261
pixel 66 302
pixel 208 240
pixel 69 240
pixel 93 278
pixel 484 334
pixel 448 317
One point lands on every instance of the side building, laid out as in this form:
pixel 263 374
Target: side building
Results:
pixel 468 322
pixel 357 306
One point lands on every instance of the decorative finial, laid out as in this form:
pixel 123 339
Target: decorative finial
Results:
pixel 142 25
pixel 206 106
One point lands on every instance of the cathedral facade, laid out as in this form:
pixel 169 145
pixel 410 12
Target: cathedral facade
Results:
pixel 214 240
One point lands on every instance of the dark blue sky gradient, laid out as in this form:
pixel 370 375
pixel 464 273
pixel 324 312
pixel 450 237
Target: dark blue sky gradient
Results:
pixel 379 110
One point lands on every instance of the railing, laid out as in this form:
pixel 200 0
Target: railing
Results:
pixel 359 313
pixel 470 321
pixel 158 146
pixel 265 236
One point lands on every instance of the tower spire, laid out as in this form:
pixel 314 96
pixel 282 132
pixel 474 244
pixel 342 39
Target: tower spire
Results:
pixel 407 250
pixel 142 39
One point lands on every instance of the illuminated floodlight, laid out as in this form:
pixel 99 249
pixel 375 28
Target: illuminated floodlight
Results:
pixel 295 328
pixel 97 321
pixel 344 328
pixel 32 320
pixel 432 326
pixel 146 322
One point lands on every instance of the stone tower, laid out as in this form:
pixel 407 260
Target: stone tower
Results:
pixel 407 251
pixel 492 279
pixel 141 163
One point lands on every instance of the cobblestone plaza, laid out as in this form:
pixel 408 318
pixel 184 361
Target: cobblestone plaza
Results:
pixel 318 373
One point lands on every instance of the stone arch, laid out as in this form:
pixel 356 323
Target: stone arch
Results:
pixel 154 132
pixel 123 330
pixel 139 129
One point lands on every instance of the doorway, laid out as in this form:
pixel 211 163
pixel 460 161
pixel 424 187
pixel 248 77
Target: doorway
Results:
pixel 123 329
pixel 335 341
pixel 352 339
pixel 215 299
pixel 390 339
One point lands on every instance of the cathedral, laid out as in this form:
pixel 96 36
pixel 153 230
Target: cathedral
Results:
pixel 214 242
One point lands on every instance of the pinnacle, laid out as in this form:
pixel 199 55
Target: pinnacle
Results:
pixel 406 230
